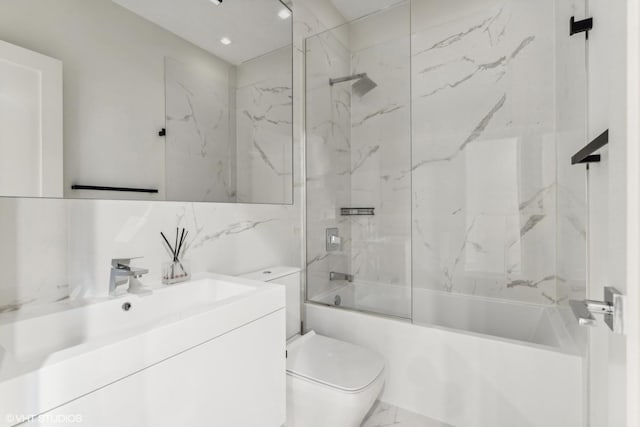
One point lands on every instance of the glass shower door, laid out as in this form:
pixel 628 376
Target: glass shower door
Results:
pixel 358 164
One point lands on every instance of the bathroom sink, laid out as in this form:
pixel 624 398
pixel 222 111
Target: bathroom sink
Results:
pixel 126 313
pixel 43 354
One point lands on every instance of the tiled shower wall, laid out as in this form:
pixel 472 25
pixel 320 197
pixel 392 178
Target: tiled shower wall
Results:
pixel 328 148
pixel 381 149
pixel 496 210
pixel 358 149
pixel 483 155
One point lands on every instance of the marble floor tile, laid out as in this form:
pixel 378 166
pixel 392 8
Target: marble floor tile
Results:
pixel 383 414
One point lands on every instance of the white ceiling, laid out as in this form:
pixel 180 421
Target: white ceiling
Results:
pixel 354 9
pixel 253 26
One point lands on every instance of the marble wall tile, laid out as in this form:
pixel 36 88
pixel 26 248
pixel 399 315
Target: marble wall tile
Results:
pixel 33 257
pixel 264 126
pixel 328 143
pixel 200 150
pixel 223 238
pixel 484 218
pixel 358 150
pixel 381 149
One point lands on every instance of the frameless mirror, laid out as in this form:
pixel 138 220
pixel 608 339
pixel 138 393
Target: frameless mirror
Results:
pixel 186 100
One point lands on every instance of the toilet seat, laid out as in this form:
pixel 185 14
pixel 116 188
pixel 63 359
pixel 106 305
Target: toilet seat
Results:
pixel 333 363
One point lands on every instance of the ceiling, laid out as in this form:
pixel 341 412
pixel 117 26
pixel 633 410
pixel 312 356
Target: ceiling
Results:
pixel 354 9
pixel 253 26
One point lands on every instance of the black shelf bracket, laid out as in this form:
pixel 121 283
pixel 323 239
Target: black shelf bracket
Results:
pixel 357 211
pixel 583 26
pixel 585 155
pixel 125 189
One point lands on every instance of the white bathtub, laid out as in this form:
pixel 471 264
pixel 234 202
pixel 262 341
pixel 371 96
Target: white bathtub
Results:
pixel 534 324
pixel 467 361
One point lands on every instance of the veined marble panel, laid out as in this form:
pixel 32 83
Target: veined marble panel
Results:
pixel 264 126
pixel 223 238
pixel 33 259
pixel 328 156
pixel 483 156
pixel 200 148
pixel 358 151
pixel 381 150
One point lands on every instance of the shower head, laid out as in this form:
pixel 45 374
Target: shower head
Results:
pixel 361 87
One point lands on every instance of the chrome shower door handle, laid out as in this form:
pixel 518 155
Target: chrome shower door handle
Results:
pixel 612 308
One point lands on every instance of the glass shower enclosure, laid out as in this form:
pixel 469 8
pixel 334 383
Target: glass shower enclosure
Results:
pixel 439 187
pixel 358 109
pixel 438 182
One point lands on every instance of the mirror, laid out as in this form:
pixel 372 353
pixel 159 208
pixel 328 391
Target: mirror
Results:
pixel 185 100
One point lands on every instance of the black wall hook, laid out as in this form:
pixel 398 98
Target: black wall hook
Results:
pixel 583 26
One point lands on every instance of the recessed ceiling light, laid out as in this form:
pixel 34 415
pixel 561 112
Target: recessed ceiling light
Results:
pixel 225 41
pixel 216 2
pixel 284 14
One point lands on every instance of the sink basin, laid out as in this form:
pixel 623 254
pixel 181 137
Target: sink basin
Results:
pixel 37 338
pixel 42 355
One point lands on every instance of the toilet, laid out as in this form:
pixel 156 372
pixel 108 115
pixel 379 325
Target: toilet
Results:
pixel 329 382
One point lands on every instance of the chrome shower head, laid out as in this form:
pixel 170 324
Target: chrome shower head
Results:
pixel 361 87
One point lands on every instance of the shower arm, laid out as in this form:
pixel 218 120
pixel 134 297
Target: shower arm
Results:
pixel 346 79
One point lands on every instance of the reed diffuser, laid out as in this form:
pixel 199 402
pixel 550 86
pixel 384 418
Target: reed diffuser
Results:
pixel 177 270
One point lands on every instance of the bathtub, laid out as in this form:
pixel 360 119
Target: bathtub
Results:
pixel 464 360
pixel 529 323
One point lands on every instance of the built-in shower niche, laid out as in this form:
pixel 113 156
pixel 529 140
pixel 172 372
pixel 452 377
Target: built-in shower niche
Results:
pixel 358 156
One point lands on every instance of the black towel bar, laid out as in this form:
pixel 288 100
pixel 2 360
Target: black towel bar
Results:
pixel 585 155
pixel 101 188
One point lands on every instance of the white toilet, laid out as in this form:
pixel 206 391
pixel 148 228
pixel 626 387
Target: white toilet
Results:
pixel 329 382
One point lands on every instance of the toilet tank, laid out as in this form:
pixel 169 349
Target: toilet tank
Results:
pixel 289 277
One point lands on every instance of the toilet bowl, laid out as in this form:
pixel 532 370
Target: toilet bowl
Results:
pixel 330 383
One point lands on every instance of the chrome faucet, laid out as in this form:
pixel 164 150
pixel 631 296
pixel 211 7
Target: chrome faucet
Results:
pixel 122 273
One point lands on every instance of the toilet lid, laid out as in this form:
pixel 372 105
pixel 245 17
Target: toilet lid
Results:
pixel 332 362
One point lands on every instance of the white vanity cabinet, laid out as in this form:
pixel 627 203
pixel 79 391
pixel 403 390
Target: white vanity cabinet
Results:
pixel 235 380
pixel 208 352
